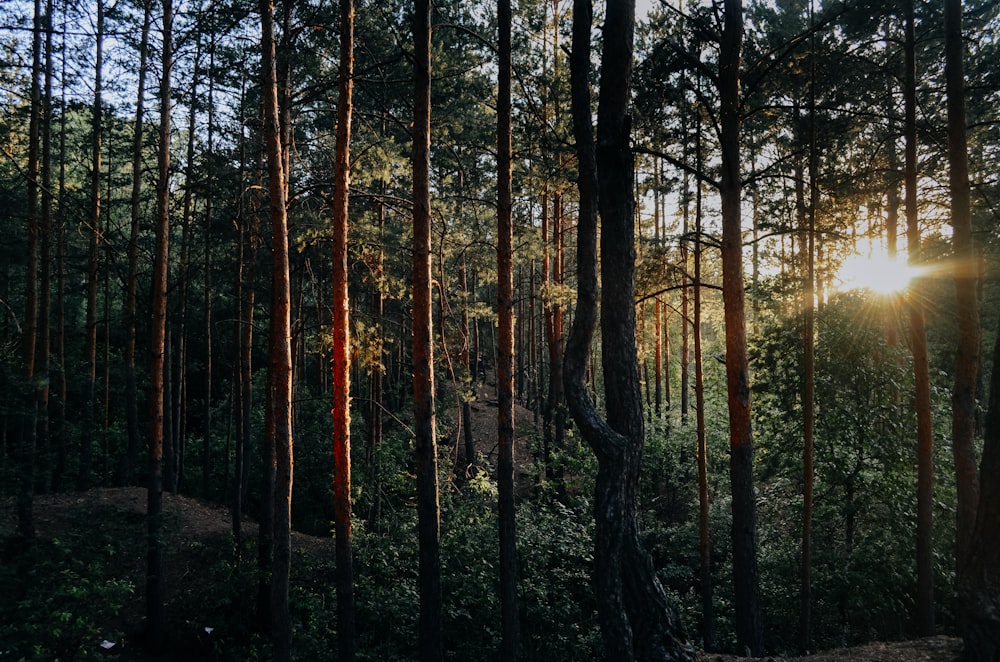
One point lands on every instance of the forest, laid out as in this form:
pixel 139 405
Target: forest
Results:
pixel 543 330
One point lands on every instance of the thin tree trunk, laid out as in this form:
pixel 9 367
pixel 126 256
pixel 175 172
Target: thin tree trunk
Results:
pixel 704 532
pixel 59 433
pixel 155 585
pixel 90 336
pixel 428 511
pixel 279 348
pixel 206 457
pixel 809 366
pixel 131 455
pixel 468 388
pixel 26 450
pixel 510 642
pixel 376 377
pixel 918 344
pixel 44 346
pixel 685 303
pixel 341 359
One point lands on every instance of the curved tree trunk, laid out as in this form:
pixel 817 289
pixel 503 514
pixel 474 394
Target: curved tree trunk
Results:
pixel 637 621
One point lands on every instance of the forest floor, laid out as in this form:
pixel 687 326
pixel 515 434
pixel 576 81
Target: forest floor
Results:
pixel 198 538
pixel 197 532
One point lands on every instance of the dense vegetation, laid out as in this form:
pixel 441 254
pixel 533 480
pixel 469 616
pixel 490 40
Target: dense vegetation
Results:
pixel 825 179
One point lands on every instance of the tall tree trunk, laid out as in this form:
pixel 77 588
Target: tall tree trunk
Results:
pixel 59 427
pixel 428 511
pixel 637 621
pixel 44 346
pixel 468 388
pixel 26 449
pixel 963 400
pixel 131 455
pixel 206 447
pixel 341 359
pixel 979 584
pixel 90 340
pixel 686 325
pixel 749 620
pixel 809 365
pixel 892 197
pixel 155 585
pixel 510 642
pixel 279 347
pixel 704 530
pixel 376 377
pixel 248 226
pixel 184 273
pixel 918 344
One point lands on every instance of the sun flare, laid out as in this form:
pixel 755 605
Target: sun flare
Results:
pixel 876 272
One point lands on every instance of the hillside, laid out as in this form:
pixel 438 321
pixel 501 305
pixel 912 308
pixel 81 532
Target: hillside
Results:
pixel 90 556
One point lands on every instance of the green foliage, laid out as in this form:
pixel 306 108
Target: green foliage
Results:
pixel 60 603
pixel 865 449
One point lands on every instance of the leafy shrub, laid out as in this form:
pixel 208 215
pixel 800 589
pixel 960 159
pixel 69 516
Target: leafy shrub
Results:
pixel 59 602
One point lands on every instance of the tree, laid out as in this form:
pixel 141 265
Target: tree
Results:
pixel 918 344
pixel 704 532
pixel 809 364
pixel 155 585
pixel 425 447
pixel 128 460
pixel 749 621
pixel 86 441
pixel 26 450
pixel 636 618
pixel 279 350
pixel 979 583
pixel 341 360
pixel 505 353
pixel 963 400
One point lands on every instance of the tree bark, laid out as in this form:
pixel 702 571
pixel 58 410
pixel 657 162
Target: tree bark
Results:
pixel 279 347
pixel 26 446
pixel 963 399
pixel 809 367
pixel 425 450
pixel 510 643
pixel 206 447
pixel 979 584
pixel 637 621
pixel 704 531
pixel 341 360
pixel 90 336
pixel 918 344
pixel 749 620
pixel 131 455
pixel 155 585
